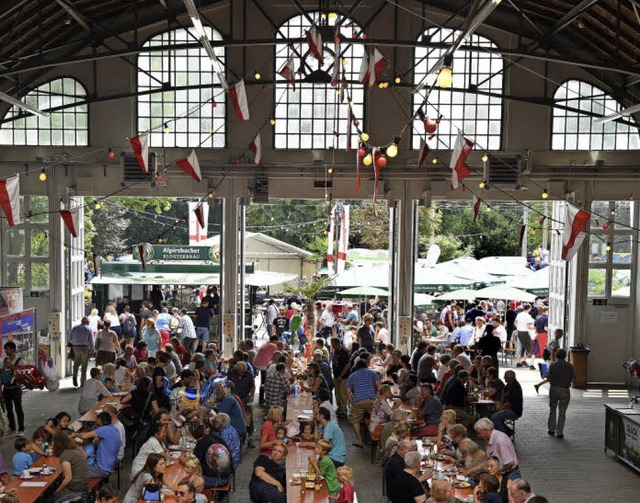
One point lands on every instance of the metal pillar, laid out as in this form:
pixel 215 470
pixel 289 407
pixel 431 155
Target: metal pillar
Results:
pixel 229 279
pixel 579 280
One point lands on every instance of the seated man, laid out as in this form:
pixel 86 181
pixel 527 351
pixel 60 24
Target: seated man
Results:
pixel 108 438
pixel 499 445
pixel 430 412
pixel 456 397
pixel 512 407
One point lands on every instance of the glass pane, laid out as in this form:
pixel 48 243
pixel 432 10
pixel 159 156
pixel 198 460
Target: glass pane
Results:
pixel 16 243
pixel 597 285
pixel 597 248
pixel 39 244
pixel 624 213
pixel 599 214
pixel 622 249
pixel 39 276
pixel 16 274
pixel 39 208
pixel 621 283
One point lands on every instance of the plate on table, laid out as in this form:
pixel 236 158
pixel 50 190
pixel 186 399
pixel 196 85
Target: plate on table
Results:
pixel 175 447
pixel 459 484
pixel 175 455
pixel 120 393
pixel 295 483
pixel 27 477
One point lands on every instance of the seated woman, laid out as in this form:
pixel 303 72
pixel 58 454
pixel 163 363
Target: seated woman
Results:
pixel 447 420
pixel 495 386
pixel 268 483
pixel 397 417
pixel 401 432
pixel 129 357
pixel 155 445
pixel 315 380
pixel 123 376
pixel 475 371
pixel 440 492
pixel 75 470
pixel 474 458
pixel 151 473
pixel 405 361
pixel 268 430
pixel 493 466
pixel 381 410
pixel 456 433
pixel 394 365
pixel 487 490
pixel 92 391
pixel 60 422
pixel 409 390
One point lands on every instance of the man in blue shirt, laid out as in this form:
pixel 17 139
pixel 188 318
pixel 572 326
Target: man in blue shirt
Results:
pixel 108 446
pixel 81 340
pixel 362 390
pixel 331 431
pixel 229 405
pixel 203 318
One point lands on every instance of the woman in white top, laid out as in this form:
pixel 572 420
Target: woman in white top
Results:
pixel 111 316
pixel 94 321
pixel 155 445
pixel 381 410
pixel 151 473
pixel 107 345
pixel 478 329
pixel 91 391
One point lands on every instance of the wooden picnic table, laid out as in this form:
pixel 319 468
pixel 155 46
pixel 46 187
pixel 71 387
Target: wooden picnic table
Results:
pixel 90 415
pixel 45 482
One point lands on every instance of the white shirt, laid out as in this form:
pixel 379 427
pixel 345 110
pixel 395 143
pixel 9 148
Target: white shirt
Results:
pixel 123 438
pixel 328 318
pixel 501 332
pixel 383 335
pixel 332 410
pixel 441 371
pixel 113 318
pixel 93 323
pixel 522 321
pixel 151 446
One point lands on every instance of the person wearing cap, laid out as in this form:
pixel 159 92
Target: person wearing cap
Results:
pixel 188 331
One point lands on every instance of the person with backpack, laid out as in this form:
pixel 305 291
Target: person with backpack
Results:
pixel 128 322
pixel 11 391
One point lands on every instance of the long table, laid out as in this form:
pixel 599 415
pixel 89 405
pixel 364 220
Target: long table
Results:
pixel 26 492
pixel 91 415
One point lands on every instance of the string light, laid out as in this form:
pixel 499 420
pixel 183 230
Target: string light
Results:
pixel 160 240
pixel 43 175
pixel 333 15
pixel 64 247
pixel 445 77
pixel 166 128
pixel 345 61
pixel 392 150
pixel 482 184
pixel 364 137
pixel 111 154
pixel 398 80
pixel 608 247
pixel 435 160
pixel 97 205
pixel 368 159
pixel 485 158
pixel 257 75
pixel 330 170
pixel 272 122
pixel 210 195
pixel 545 194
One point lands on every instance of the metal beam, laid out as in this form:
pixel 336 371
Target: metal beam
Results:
pixel 570 16
pixel 75 14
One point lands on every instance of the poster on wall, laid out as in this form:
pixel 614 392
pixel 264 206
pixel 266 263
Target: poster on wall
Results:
pixel 630 452
pixel 10 301
pixel 19 328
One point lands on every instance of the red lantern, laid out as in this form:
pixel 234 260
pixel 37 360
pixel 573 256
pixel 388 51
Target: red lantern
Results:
pixel 605 226
pixel 382 161
pixel 361 152
pixel 430 126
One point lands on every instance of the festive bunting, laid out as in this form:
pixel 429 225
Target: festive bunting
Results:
pixel 140 146
pixel 371 67
pixel 429 125
pixel 476 207
pixel 542 220
pixel 330 238
pixel 142 252
pixel 343 242
pixel 239 98
pixel 10 199
pixel 572 237
pixel 314 39
pixel 459 168
pixel 376 170
pixel 358 182
pixel 198 222
pixel 424 152
pixel 335 77
pixel 256 147
pixel 288 71
pixel 522 229
pixel 191 166
pixel 71 219
pixel 95 263
pixel 199 215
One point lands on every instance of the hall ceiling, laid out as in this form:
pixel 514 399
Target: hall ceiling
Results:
pixel 598 33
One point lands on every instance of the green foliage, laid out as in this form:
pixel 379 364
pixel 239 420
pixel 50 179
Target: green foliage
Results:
pixel 367 229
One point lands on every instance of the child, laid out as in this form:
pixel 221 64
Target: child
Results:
pixel 549 354
pixel 122 374
pixel 22 459
pixel 39 443
pixel 325 467
pixel 140 353
pixel 308 435
pixel 108 371
pixel 281 434
pixel 110 384
pixel 345 477
pixel 129 358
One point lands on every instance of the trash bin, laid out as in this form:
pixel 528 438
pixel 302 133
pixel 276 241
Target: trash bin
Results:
pixel 579 357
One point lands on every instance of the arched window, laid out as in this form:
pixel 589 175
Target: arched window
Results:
pixel 470 108
pixel 66 127
pixel 574 130
pixel 187 110
pixel 310 116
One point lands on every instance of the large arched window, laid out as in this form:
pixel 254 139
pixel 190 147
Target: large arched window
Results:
pixel 66 127
pixel 468 105
pixel 187 110
pixel 310 116
pixel 573 130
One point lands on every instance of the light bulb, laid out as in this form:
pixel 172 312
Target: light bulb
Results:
pixel 435 160
pixel 445 77
pixel 210 195
pixel 333 15
pixel 337 91
pixel 160 240
pixel 166 128
pixel 64 247
pixel 368 159
pixel 545 194
pixel 608 247
pixel 98 205
pixel 43 175
pixel 272 122
pixel 488 209
pixel 398 80
pixel 345 61
pixel 485 158
pixel 257 75
pixel 482 184
pixel 364 136
pixel 392 150
pixel 111 153
pixel 533 231
pixel 330 170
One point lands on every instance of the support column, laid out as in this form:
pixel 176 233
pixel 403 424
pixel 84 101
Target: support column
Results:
pixel 229 278
pixel 405 260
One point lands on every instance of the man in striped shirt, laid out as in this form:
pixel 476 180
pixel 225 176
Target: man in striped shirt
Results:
pixel 362 390
pixel 561 374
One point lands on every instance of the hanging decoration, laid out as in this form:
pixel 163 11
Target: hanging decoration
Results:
pixel 572 237
pixel 288 72
pixel 523 228
pixel 330 239
pixel 191 166
pixel 199 215
pixel 376 169
pixel 359 154
pixel 314 39
pixel 476 207
pixel 256 148
pixel 198 222
pixel 459 168
pixel 371 67
pixel 10 199
pixel 95 263
pixel 238 95
pixel 140 146
pixel 343 242
pixel 424 152
pixel 142 253
pixel 71 219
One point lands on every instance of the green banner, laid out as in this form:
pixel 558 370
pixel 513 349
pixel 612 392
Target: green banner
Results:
pixel 178 253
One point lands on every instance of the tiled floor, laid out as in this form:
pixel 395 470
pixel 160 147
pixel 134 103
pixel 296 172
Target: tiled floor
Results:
pixel 565 471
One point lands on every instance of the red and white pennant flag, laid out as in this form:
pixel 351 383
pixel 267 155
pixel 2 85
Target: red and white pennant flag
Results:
pixel 71 219
pixel 572 237
pixel 140 146
pixel 371 67
pixel 10 199
pixel 424 152
pixel 330 241
pixel 238 95
pixel 459 168
pixel 288 72
pixel 314 39
pixel 199 215
pixel 476 207
pixel 143 257
pixel 191 166
pixel 343 240
pixel 256 147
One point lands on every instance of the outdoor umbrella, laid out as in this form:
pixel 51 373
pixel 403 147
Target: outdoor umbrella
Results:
pixel 506 293
pixel 364 291
pixel 464 294
pixel 422 299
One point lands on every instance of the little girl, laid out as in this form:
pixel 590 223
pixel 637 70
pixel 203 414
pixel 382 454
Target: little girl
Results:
pixel 108 370
pixel 325 467
pixel 123 375
pixel 281 434
pixel 308 436
pixel 345 477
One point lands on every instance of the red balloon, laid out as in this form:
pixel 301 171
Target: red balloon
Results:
pixel 361 152
pixel 605 226
pixel 430 126
pixel 382 161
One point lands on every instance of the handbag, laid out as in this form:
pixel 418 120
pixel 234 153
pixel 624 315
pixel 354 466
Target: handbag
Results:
pixel 152 492
pixel 129 417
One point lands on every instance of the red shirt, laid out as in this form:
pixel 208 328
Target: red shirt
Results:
pixel 263 357
pixel 346 494
pixel 270 432
pixel 141 355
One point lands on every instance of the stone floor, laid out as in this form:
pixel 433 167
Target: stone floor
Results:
pixel 565 471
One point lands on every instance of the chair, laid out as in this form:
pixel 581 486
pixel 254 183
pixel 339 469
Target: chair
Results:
pixel 118 465
pixel 375 442
pixel 511 423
